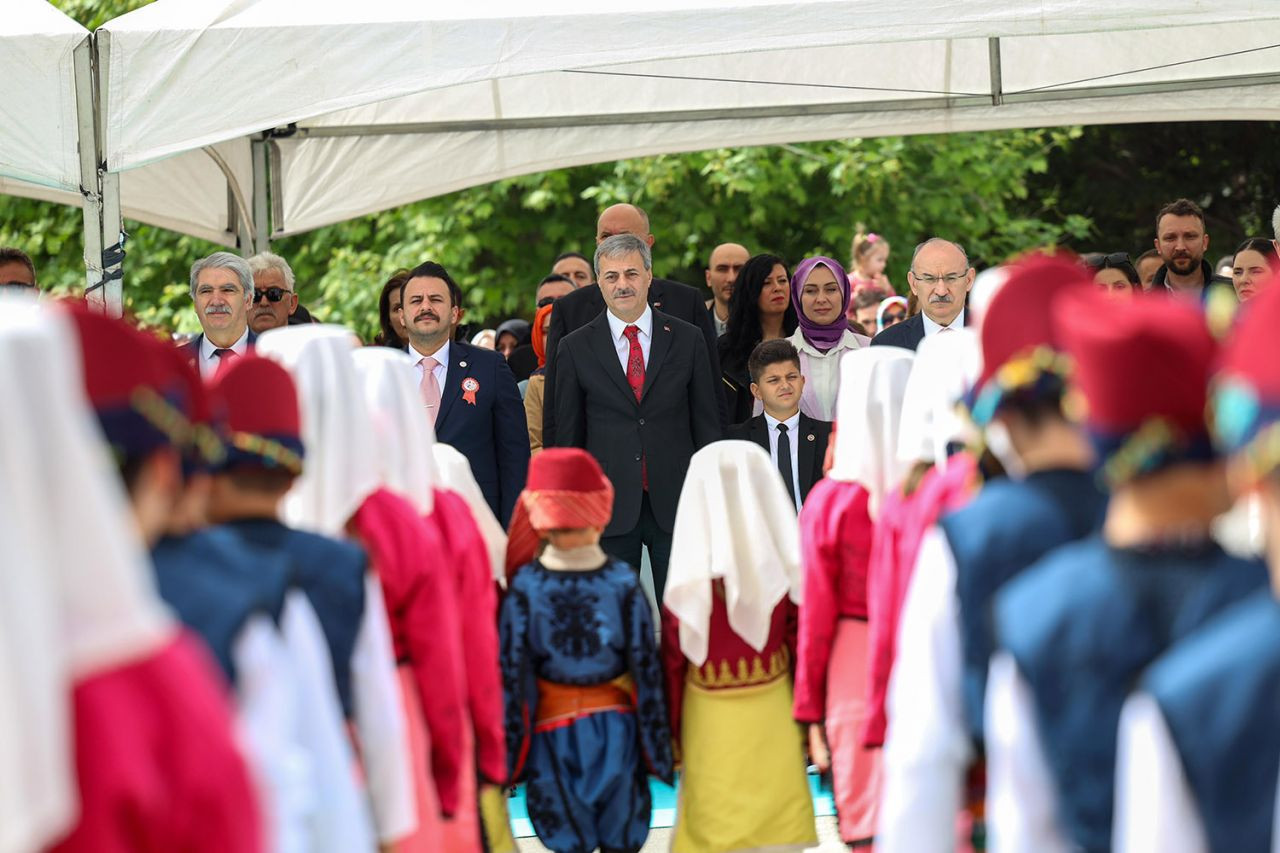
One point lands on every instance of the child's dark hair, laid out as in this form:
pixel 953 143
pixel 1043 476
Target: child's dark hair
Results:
pixel 771 352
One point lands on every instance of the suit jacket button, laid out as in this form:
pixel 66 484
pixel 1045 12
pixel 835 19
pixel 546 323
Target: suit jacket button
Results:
pixel 642 422
pixel 637 457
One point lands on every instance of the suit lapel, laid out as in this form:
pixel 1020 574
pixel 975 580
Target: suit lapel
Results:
pixel 658 348
pixel 760 431
pixel 655 294
pixel 808 452
pixel 601 338
pixel 459 369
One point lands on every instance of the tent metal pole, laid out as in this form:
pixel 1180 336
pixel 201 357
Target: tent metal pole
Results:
pixel 997 80
pixel 261 202
pixel 113 254
pixel 785 111
pixel 241 207
pixel 90 189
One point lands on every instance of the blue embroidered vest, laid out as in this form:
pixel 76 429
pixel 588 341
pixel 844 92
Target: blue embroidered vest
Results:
pixel 1219 691
pixel 331 573
pixel 1082 625
pixel 1006 527
pixel 214 583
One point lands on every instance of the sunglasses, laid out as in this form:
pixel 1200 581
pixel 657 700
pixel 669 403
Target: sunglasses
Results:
pixel 1104 261
pixel 894 317
pixel 273 294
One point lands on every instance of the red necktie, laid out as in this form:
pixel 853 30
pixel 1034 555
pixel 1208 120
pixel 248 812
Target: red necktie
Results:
pixel 635 378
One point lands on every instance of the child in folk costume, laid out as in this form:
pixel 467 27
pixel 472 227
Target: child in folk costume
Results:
pixel 117 732
pixel 406 465
pixel 1048 498
pixel 1076 630
pixel 338 494
pixel 728 645
pixel 1199 750
pixel 585 717
pixel 836 528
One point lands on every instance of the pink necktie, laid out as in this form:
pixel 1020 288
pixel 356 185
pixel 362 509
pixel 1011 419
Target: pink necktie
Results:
pixel 430 387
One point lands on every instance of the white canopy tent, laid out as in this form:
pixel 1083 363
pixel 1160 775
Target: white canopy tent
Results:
pixel 332 109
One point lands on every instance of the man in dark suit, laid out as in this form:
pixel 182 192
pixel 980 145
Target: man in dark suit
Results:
pixel 940 277
pixel 634 392
pixel 576 309
pixel 222 290
pixel 797 443
pixel 469 392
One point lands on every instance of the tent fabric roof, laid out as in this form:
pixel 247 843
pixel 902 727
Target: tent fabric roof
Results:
pixel 383 102
pixel 37 94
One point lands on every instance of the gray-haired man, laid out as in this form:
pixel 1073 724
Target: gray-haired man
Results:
pixel 634 391
pixel 221 287
pixel 274 299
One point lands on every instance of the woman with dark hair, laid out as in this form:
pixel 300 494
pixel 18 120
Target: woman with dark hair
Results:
pixel 1114 273
pixel 759 310
pixel 1252 266
pixel 390 319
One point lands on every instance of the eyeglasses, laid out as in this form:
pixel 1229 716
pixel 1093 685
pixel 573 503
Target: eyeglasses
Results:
pixel 1098 262
pixel 273 294
pixel 948 279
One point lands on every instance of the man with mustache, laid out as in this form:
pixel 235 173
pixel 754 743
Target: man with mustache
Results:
pixel 634 392
pixel 222 289
pixel 274 299
pixel 470 394
pixel 1181 240
pixel 577 309
pixel 940 277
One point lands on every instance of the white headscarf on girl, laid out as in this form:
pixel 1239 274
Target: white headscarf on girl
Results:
pixel 341 469
pixel 455 475
pixel 76 590
pixel 734 522
pixel 873 382
pixel 945 367
pixel 404 435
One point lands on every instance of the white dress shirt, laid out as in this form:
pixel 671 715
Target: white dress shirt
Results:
pixel 441 370
pixel 932 328
pixel 209 362
pixel 623 345
pixel 927 750
pixel 821 371
pixel 1154 807
pixel 793 437
pixel 1022 795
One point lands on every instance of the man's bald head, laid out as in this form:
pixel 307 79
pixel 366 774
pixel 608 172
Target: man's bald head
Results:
pixel 723 266
pixel 623 219
pixel 940 277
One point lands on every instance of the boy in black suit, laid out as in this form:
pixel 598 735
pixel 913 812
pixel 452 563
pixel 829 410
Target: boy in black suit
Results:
pixel 797 443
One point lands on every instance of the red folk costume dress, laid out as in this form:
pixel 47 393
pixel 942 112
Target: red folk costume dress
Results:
pixel 729 628
pixel 836 527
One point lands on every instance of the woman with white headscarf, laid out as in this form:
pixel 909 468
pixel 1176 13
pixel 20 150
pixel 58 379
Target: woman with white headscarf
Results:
pixel 340 493
pixel 728 644
pixel 406 465
pixel 836 528
pixel 115 731
pixel 939 479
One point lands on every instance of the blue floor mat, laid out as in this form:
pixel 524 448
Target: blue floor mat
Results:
pixel 664 805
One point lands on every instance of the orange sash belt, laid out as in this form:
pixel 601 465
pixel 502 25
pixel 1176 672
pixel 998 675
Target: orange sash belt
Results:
pixel 561 704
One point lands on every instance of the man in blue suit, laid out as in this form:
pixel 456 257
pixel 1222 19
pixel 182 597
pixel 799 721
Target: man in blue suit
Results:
pixel 222 290
pixel 470 393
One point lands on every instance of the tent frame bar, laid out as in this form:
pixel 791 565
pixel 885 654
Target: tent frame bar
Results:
pixel 955 102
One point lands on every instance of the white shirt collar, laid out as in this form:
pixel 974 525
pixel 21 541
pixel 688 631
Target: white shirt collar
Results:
pixel 931 328
pixel 644 323
pixel 848 340
pixel 793 422
pixel 441 355
pixel 207 348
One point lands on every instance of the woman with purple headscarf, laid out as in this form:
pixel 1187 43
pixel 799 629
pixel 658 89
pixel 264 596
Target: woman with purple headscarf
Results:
pixel 820 293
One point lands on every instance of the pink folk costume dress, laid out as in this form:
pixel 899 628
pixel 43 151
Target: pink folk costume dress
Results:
pixel 836 529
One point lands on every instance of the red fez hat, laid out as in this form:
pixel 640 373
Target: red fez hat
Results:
pixel 141 399
pixel 1246 390
pixel 205 449
pixel 1020 350
pixel 1142 367
pixel 565 490
pixel 260 408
